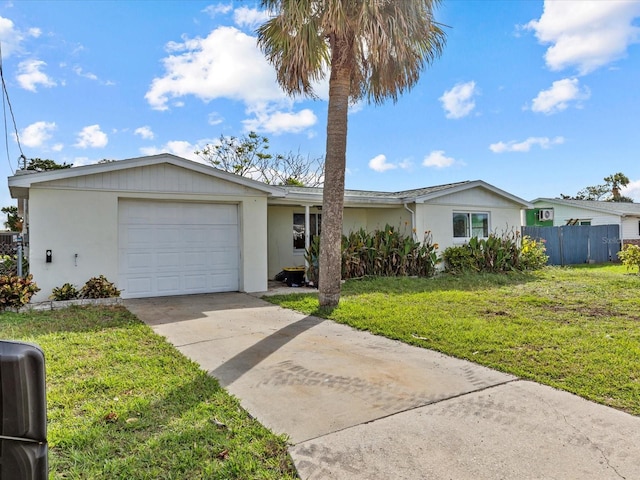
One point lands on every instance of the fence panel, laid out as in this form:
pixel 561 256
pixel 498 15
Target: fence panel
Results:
pixel 575 244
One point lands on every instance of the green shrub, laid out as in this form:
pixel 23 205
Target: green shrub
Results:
pixel 99 287
pixel 532 254
pixel 65 292
pixel 382 253
pixel 15 292
pixel 496 254
pixel 459 259
pixel 630 256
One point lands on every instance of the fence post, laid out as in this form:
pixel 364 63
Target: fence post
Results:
pixel 19 255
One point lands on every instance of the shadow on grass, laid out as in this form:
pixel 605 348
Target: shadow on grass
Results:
pixel 192 431
pixel 137 408
pixel 409 285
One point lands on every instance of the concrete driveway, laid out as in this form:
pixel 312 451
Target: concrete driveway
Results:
pixel 358 406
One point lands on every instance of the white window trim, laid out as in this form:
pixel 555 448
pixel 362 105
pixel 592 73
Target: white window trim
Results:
pixel 464 240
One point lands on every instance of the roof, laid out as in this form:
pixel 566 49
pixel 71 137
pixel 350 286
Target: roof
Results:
pixel 20 183
pixel 23 180
pixel 313 195
pixel 622 209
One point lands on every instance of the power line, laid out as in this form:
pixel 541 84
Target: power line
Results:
pixel 5 95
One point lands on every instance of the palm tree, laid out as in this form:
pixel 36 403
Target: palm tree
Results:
pixel 374 49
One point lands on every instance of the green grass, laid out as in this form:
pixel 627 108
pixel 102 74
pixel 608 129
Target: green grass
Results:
pixel 123 403
pixel 576 329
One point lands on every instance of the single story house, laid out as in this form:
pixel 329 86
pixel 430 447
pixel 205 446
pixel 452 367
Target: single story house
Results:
pixel 558 212
pixel 162 225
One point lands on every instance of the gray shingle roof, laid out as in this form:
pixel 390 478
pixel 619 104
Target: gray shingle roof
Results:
pixel 618 208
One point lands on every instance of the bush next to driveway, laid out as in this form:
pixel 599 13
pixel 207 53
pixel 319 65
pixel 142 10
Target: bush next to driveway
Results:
pixel 577 329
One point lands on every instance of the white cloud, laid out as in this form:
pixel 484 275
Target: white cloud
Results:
pixel 145 132
pixel 215 118
pixel 181 148
pixel 91 137
pixel 559 96
pixel 82 161
pixel 34 32
pixel 379 164
pixel 78 71
pixel 525 146
pixel 458 102
pixel 280 122
pixel 57 147
pixel 587 34
pixel 209 68
pixel 437 159
pixel 214 10
pixel 30 75
pixel 249 17
pixel 632 190
pixel 37 133
pixel 10 37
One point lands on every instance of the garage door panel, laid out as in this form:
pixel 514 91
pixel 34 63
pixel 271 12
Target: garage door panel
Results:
pixel 168 260
pixel 168 283
pixel 138 261
pixel 176 248
pixel 137 286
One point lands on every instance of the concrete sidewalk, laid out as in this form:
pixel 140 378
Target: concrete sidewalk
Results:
pixel 358 406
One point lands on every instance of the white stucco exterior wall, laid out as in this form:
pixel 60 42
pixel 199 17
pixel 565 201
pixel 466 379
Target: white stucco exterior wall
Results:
pixel 436 216
pixel 70 223
pixel 253 231
pixel 80 216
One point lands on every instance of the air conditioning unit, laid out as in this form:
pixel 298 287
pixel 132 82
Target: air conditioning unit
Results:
pixel 545 214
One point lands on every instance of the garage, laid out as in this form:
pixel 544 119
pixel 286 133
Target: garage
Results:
pixel 177 248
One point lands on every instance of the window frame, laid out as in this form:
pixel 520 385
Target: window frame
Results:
pixel 468 225
pixel 315 224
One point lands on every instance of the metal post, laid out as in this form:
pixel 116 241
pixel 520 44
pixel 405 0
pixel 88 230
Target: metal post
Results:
pixel 19 255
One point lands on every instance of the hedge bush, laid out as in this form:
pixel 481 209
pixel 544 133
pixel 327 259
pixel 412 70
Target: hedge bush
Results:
pixel 496 254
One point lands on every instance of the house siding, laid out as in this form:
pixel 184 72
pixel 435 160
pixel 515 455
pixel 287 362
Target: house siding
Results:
pixel 90 228
pixel 562 214
pixel 631 230
pixel 436 217
pixel 154 178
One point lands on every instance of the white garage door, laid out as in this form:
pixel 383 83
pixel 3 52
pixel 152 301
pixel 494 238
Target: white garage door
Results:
pixel 177 248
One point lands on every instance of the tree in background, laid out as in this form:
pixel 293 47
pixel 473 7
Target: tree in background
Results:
pixel 607 192
pixel 14 221
pixel 40 165
pixel 374 50
pixel 248 156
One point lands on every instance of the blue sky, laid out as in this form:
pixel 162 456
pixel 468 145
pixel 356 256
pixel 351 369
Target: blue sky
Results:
pixel 535 97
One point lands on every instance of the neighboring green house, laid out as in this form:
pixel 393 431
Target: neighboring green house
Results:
pixel 559 212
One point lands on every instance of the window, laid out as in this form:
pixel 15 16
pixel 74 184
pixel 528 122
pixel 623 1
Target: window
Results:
pixel 467 225
pixel 298 228
pixel 585 222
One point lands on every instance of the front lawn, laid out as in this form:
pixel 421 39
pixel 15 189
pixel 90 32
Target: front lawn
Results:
pixel 124 404
pixel 577 329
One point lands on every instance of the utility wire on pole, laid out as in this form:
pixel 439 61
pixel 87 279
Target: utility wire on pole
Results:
pixel 7 102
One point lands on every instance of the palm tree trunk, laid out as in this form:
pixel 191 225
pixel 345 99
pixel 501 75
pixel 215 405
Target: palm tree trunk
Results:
pixel 330 261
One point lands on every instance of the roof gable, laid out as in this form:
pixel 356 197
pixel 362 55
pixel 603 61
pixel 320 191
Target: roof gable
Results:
pixel 163 172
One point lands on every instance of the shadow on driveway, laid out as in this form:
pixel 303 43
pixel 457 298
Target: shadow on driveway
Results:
pixel 232 369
